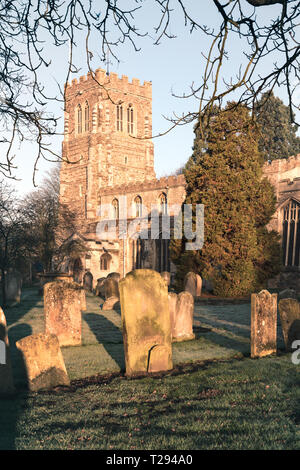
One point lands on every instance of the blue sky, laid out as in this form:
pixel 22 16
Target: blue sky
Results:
pixel 171 66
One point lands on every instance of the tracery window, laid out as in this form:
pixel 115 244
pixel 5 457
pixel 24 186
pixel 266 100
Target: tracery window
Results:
pixel 119 117
pixel 291 234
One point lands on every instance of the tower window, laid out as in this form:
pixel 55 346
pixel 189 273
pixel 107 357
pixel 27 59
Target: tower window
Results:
pixel 130 120
pixel 79 119
pixel 119 117
pixel 86 117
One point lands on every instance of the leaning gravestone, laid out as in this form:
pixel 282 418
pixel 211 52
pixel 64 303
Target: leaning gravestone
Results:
pixel 13 286
pixel 145 322
pixel 193 284
pixel 43 361
pixel 6 377
pixel 263 324
pixel 183 326
pixel 289 311
pixel 63 302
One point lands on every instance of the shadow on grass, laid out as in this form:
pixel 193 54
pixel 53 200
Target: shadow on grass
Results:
pixel 109 335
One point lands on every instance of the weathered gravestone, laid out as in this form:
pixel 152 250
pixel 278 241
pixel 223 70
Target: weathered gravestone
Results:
pixel 263 324
pixel 183 326
pixel 111 303
pixel 6 377
pixel 44 364
pixel 111 288
pixel 193 284
pixel 63 302
pixel 13 286
pixel 99 291
pixel 287 294
pixel 289 311
pixel 115 276
pixel 88 281
pixel 172 297
pixel 167 277
pixel 145 322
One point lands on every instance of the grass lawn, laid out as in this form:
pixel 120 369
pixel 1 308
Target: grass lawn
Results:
pixel 221 400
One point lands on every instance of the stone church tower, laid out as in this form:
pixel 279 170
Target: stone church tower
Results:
pixel 107 122
pixel 108 155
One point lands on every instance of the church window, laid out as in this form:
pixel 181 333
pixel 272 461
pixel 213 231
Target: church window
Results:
pixel 130 120
pixel 86 117
pixel 291 234
pixel 105 262
pixel 115 206
pixel 138 206
pixel 79 119
pixel 119 117
pixel 162 200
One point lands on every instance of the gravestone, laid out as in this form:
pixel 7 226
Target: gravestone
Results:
pixel 115 276
pixel 111 303
pixel 13 286
pixel 44 363
pixel 287 294
pixel 145 322
pixel 63 302
pixel 193 284
pixel 289 311
pixel 100 292
pixel 88 281
pixel 167 277
pixel 172 309
pixel 263 324
pixel 6 377
pixel 111 288
pixel 183 326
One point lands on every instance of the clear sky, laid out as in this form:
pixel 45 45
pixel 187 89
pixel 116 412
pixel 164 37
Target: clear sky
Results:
pixel 171 66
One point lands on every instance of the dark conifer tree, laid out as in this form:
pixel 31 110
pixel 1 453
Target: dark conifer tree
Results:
pixel 225 174
pixel 277 134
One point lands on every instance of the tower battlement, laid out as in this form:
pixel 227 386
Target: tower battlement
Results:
pixel 110 82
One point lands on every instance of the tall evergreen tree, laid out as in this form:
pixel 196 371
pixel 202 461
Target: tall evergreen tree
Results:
pixel 278 138
pixel 225 174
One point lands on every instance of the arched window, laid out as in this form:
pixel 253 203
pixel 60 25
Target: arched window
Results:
pixel 86 117
pixel 291 234
pixel 105 262
pixel 130 119
pixel 119 117
pixel 115 206
pixel 138 206
pixel 162 200
pixel 79 119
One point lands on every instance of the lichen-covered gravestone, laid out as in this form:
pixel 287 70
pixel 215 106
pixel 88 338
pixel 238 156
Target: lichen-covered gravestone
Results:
pixel 63 302
pixel 263 324
pixel 6 378
pixel 183 326
pixel 43 360
pixel 193 284
pixel 145 322
pixel 289 311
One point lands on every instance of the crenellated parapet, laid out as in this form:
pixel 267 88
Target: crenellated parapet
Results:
pixel 109 82
pixel 163 183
